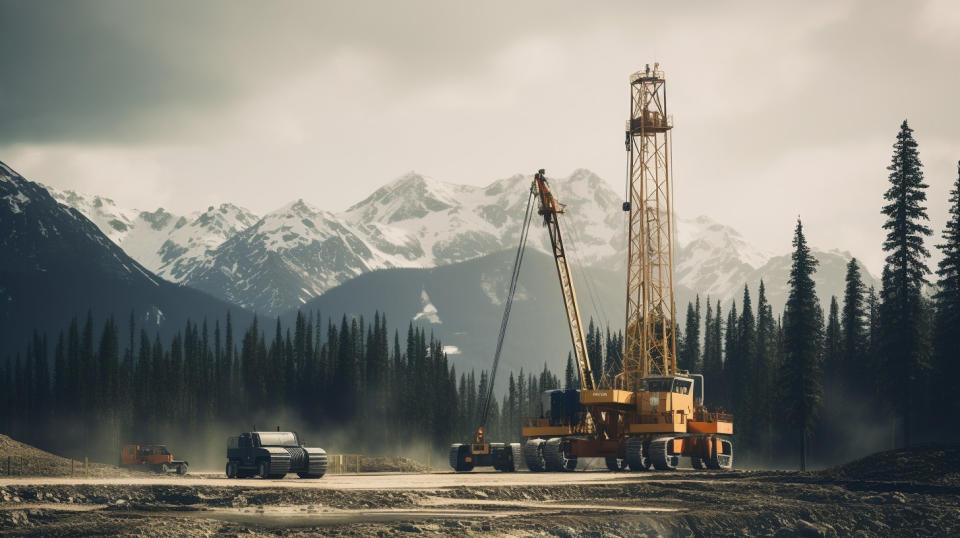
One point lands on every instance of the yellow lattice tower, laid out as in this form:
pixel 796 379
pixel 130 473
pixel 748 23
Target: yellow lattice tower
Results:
pixel 650 340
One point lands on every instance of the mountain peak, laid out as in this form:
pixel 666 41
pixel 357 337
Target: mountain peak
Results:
pixel 410 196
pixel 298 207
pixel 583 174
pixel 502 185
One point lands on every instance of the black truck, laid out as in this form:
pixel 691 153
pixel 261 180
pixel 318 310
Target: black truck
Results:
pixel 273 455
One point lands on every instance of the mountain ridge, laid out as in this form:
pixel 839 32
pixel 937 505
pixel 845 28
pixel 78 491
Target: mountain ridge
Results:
pixel 296 252
pixel 58 264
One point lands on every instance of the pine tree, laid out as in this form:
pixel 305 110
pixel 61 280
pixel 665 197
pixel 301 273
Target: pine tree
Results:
pixel 594 345
pixel 689 356
pixel 872 359
pixel 904 353
pixel 713 358
pixel 570 376
pixel 853 330
pixel 613 355
pixel 947 321
pixel 763 378
pixel 742 369
pixel 731 352
pixel 802 328
pixel 832 346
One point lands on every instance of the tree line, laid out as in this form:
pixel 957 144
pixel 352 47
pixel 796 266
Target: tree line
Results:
pixel 877 370
pixel 110 384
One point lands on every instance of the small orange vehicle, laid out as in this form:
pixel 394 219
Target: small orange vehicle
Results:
pixel 154 457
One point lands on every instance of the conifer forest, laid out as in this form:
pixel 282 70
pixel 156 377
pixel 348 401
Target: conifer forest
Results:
pixel 827 379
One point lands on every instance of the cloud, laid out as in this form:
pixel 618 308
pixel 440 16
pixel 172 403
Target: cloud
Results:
pixel 784 109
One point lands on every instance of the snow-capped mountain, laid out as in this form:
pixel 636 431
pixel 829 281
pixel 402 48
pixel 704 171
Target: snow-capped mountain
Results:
pixel 421 222
pixel 57 264
pixel 713 259
pixel 297 252
pixel 287 257
pixel 170 245
pixel 190 240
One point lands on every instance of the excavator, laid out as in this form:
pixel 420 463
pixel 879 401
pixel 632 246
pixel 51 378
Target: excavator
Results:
pixel 650 414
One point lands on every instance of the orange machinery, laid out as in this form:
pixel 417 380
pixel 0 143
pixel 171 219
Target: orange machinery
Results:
pixel 153 457
pixel 650 413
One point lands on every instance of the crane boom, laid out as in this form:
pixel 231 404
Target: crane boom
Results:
pixel 550 209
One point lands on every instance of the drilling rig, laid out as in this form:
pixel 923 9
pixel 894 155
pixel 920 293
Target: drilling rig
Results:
pixel 650 414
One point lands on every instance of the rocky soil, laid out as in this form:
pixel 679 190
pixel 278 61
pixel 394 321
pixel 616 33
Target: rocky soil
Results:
pixel 26 460
pixel 896 494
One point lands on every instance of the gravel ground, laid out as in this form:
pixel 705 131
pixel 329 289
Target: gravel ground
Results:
pixel 889 494
pixel 670 504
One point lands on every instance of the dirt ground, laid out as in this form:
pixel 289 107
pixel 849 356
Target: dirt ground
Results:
pixel 18 458
pixel 901 493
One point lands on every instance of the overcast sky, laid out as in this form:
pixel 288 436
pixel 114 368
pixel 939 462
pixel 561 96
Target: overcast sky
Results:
pixel 780 108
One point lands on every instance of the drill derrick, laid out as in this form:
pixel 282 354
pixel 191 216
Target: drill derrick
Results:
pixel 649 339
pixel 653 414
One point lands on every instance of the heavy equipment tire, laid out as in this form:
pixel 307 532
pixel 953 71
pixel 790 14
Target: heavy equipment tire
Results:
pixel 722 461
pixel 516 455
pixel 555 452
pixel 661 456
pixel 616 464
pixel 509 458
pixel 232 471
pixel 533 455
pixel 497 456
pixel 638 455
pixel 454 453
pixel 464 466
pixel 164 468
pixel 263 469
pixel 182 469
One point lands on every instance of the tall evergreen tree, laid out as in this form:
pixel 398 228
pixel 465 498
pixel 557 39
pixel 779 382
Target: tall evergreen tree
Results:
pixel 689 356
pixel 742 370
pixel 832 345
pixel 594 345
pixel 763 378
pixel 731 352
pixel 872 360
pixel 713 357
pixel 947 321
pixel 570 380
pixel 853 329
pixel 802 390
pixel 904 353
pixel 613 355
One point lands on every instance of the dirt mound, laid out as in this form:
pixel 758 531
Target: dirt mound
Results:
pixel 26 460
pixel 390 464
pixel 934 464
